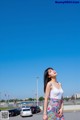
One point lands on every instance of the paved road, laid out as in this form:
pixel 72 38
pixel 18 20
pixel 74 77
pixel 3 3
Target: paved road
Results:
pixel 68 116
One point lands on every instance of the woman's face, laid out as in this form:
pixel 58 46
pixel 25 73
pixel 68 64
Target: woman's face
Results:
pixel 51 73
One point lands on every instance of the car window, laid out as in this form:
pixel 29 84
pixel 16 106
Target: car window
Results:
pixel 26 109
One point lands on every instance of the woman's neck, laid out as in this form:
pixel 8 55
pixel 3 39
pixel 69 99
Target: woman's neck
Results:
pixel 53 80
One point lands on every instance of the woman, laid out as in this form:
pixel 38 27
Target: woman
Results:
pixel 53 102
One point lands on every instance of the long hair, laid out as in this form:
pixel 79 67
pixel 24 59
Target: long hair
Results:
pixel 46 79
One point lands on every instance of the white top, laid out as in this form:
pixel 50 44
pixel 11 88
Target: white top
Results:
pixel 55 92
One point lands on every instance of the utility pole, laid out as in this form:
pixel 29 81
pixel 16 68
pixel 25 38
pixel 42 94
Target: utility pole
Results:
pixel 0 97
pixel 37 90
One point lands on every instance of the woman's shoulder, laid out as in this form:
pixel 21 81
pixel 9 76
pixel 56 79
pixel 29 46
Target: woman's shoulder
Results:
pixel 60 84
pixel 49 83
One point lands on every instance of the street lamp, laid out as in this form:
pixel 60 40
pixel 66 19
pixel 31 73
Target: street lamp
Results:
pixel 0 97
pixel 37 90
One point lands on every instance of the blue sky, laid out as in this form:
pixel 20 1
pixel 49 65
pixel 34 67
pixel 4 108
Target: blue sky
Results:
pixel 34 35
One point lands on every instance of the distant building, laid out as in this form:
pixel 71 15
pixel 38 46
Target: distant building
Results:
pixel 77 95
pixel 26 98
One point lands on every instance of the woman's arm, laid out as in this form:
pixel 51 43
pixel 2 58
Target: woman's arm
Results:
pixel 62 105
pixel 46 100
pixel 61 100
pixel 60 112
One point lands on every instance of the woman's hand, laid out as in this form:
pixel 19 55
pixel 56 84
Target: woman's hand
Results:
pixel 45 117
pixel 60 112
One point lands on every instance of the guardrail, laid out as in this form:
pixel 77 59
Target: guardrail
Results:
pixel 71 107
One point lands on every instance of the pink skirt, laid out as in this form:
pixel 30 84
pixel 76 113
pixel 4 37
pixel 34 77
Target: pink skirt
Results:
pixel 53 108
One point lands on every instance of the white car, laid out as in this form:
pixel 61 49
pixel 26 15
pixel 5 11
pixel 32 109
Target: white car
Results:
pixel 26 112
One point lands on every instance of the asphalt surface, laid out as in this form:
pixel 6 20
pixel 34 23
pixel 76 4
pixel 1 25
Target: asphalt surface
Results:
pixel 68 116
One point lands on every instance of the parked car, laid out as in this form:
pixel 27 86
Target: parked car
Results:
pixel 35 109
pixel 14 112
pixel 26 112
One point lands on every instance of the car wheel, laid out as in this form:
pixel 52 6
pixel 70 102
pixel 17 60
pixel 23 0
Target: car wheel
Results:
pixel 12 113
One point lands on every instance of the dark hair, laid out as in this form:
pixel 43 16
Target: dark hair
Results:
pixel 46 79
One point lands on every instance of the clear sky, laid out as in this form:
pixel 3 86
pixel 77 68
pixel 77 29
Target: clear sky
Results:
pixel 34 35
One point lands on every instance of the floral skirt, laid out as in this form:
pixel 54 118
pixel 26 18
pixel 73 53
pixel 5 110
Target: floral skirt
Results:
pixel 53 108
